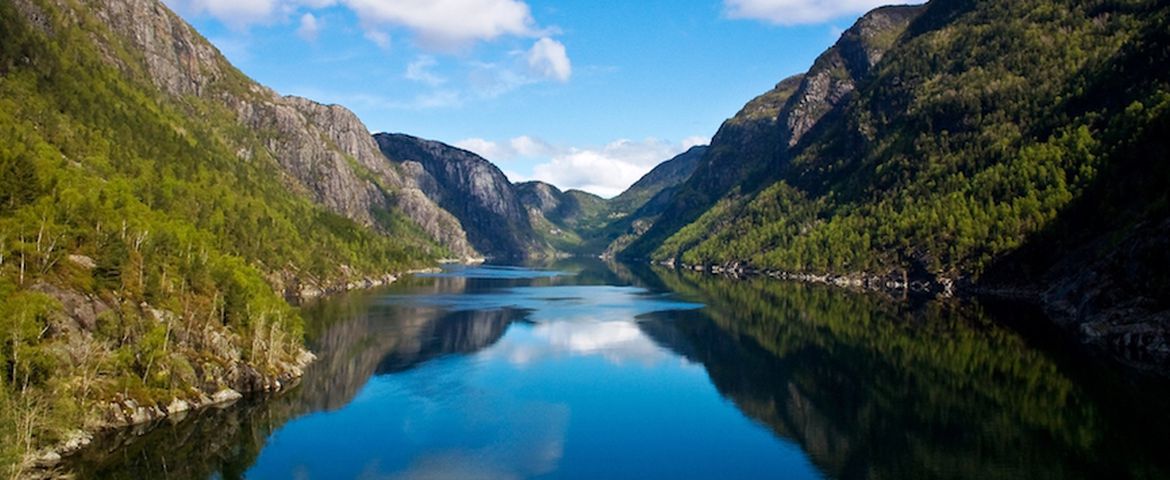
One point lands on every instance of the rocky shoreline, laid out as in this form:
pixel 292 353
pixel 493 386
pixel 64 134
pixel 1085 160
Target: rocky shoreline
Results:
pixel 942 286
pixel 1129 333
pixel 127 413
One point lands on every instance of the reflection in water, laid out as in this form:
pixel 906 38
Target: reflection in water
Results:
pixel 601 372
pixel 873 388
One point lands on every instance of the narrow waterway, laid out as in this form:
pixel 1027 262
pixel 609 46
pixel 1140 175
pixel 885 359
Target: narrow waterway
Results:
pixel 586 370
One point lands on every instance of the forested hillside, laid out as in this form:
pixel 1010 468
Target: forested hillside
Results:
pixel 154 210
pixel 1008 144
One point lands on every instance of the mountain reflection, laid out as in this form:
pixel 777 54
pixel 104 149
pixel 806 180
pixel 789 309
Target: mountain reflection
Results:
pixel 876 388
pixel 456 333
pixel 867 386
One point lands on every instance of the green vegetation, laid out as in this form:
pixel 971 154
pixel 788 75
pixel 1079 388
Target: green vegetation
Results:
pixel 874 387
pixel 571 220
pixel 134 208
pixel 978 132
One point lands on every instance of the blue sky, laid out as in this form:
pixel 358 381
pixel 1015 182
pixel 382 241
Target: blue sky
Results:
pixel 582 94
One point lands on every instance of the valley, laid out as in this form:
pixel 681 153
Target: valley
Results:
pixel 165 220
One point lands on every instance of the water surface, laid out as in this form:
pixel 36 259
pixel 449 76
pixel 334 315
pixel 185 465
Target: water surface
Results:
pixel 584 370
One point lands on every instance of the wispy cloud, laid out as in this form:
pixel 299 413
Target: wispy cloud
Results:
pixel 797 12
pixel 378 37
pixel 438 27
pixel 310 27
pixel 448 24
pixel 420 70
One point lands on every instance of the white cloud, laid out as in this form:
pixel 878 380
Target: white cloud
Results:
pixel 420 71
pixel 310 27
pixel 449 24
pixel 694 141
pixel 796 12
pixel 548 59
pixel 484 148
pixel 523 146
pixel 436 24
pixel 545 61
pixel 526 146
pixel 606 171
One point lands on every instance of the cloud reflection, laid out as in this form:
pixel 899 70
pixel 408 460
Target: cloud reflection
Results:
pixel 567 321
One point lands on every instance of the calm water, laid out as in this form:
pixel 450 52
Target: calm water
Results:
pixel 583 370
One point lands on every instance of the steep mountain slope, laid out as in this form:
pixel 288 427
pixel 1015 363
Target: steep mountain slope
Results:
pixel 471 188
pixel 323 149
pixel 752 145
pixel 984 128
pixel 155 206
pixel 666 175
pixel 638 208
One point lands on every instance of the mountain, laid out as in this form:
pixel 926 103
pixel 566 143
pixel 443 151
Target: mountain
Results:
pixel 156 205
pixel 1008 146
pixel 472 189
pixel 750 146
pixel 638 208
pixel 666 175
pixel 324 151
pixel 566 220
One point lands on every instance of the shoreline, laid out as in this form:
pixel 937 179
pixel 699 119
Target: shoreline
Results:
pixel 1140 343
pixel 125 413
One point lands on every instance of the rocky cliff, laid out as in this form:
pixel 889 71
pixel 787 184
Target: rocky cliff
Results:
pixel 474 190
pixel 324 150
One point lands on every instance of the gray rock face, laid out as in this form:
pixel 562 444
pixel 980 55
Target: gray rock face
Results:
pixel 471 188
pixel 835 74
pixel 178 60
pixel 325 152
pixel 540 196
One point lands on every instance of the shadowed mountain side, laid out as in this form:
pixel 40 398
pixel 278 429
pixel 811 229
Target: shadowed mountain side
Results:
pixel 668 174
pixel 471 188
pixel 1005 147
pixel 835 371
